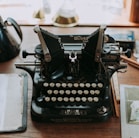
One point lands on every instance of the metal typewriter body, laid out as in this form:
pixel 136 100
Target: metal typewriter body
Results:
pixel 71 77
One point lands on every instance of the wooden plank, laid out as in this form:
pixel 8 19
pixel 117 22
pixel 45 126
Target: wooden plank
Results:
pixel 116 86
pixel 116 108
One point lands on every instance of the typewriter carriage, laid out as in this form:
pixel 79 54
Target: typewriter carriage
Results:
pixel 71 76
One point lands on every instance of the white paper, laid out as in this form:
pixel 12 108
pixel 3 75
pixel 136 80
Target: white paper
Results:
pixel 3 94
pixel 129 96
pixel 134 111
pixel 11 101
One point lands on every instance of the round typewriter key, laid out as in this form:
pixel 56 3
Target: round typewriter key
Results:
pixel 78 99
pixel 52 84
pixel 47 99
pixel 92 92
pixel 45 84
pixel 94 85
pixel 60 99
pixel 90 99
pixel 87 85
pixel 67 92
pixel 61 92
pixel 66 99
pixel 96 99
pixel 81 85
pixel 73 91
pixel 100 85
pixel 55 91
pixel 97 92
pixel 80 92
pixel 69 85
pixel 76 85
pixel 63 85
pixel 49 91
pixel 58 85
pixel 53 99
pixel 86 92
pixel 84 99
pixel 71 99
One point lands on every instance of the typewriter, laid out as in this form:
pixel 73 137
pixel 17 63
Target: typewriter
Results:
pixel 71 76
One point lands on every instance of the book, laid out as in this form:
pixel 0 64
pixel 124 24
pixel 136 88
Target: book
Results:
pixel 13 102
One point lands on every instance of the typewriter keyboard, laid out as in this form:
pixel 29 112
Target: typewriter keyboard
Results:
pixel 71 93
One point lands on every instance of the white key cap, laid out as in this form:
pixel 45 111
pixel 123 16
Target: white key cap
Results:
pixel 97 92
pixel 100 85
pixel 69 85
pixel 66 99
pixel 92 92
pixel 78 99
pixel 84 99
pixel 49 91
pixel 61 92
pixel 58 85
pixel 86 92
pixel 52 84
pixel 80 92
pixel 55 92
pixel 67 92
pixel 45 84
pixel 53 99
pixel 76 85
pixel 73 91
pixel 81 85
pixel 64 85
pixel 47 99
pixel 90 99
pixel 94 85
pixel 87 85
pixel 71 99
pixel 96 99
pixel 60 99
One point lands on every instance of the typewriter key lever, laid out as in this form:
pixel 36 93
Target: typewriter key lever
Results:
pixel 100 43
pixel 45 49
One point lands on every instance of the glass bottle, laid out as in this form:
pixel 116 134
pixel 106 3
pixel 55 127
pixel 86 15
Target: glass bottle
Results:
pixel 66 16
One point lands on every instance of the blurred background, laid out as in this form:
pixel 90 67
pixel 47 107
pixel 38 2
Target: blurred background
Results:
pixel 88 11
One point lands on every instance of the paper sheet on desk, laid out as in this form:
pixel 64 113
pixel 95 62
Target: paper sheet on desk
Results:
pixel 129 94
pixel 11 102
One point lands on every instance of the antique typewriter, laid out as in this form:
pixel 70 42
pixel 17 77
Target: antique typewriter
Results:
pixel 71 76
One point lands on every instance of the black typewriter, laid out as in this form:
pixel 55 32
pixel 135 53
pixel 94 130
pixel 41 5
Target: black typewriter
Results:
pixel 71 76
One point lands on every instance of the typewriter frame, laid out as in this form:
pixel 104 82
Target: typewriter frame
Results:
pixel 106 57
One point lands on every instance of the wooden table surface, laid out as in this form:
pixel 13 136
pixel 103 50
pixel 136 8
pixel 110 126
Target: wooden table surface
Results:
pixel 108 129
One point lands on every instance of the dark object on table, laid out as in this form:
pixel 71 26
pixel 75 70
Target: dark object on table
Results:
pixel 9 45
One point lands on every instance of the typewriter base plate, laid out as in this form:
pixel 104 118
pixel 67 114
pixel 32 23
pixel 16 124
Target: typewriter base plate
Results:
pixel 68 114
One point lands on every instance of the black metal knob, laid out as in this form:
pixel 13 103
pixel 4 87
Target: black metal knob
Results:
pixel 25 54
pixel 128 53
